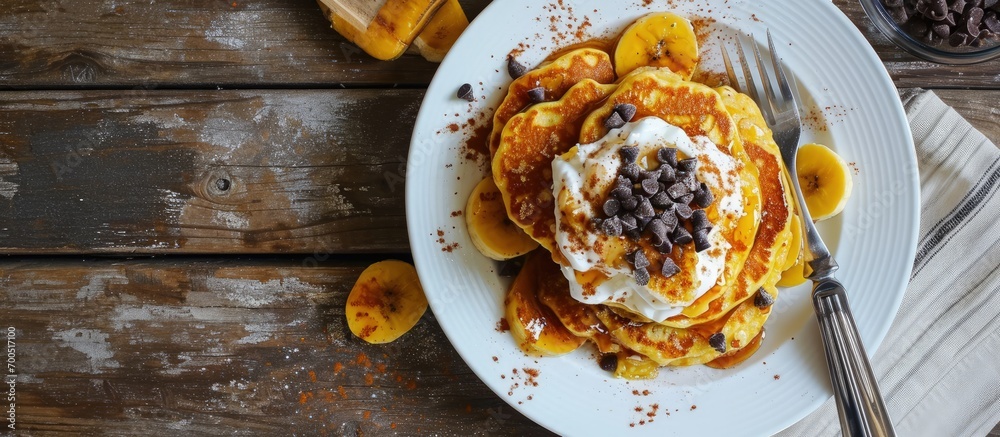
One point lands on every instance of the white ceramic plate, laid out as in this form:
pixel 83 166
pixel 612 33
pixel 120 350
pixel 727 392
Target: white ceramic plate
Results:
pixel 842 82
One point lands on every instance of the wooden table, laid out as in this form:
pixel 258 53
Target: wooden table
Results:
pixel 188 190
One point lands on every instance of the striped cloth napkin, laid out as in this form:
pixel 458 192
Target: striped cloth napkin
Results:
pixel 939 366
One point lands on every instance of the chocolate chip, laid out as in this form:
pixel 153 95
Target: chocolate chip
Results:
pixel 669 268
pixel 941 30
pixel 992 24
pixel 650 186
pixel 763 299
pixel 669 218
pixel 537 94
pixel 667 174
pixel 699 220
pixel 623 182
pixel 621 193
pixel 634 234
pixel 641 276
pixel 683 211
pixel 899 15
pixel 680 236
pixel 629 222
pixel 950 19
pixel 612 226
pixel 515 69
pixel 638 259
pixel 625 110
pixel 629 203
pixel 688 179
pixel 957 6
pixel 644 209
pixel 701 240
pixel 685 199
pixel 614 121
pixel 629 154
pixel 631 171
pixel 609 362
pixel 667 155
pixel 973 18
pixel 958 39
pixel 650 174
pixel 611 207
pixel 894 3
pixel 658 231
pixel 703 196
pixel 718 342
pixel 689 165
pixel 661 200
pixel 465 92
pixel 665 247
pixel 677 190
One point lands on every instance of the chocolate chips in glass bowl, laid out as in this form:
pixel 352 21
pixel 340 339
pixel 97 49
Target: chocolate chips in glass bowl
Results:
pixel 952 32
pixel 664 205
pixel 955 22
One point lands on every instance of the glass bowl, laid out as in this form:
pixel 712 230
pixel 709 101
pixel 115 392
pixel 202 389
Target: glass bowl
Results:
pixel 911 36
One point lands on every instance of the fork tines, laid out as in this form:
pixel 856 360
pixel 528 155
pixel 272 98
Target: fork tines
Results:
pixel 779 97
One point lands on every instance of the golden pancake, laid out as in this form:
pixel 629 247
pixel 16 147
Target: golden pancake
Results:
pixel 556 77
pixel 522 166
pixel 670 346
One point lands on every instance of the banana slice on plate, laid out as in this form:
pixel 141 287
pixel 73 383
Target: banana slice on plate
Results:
pixel 660 39
pixel 825 180
pixel 386 302
pixel 492 232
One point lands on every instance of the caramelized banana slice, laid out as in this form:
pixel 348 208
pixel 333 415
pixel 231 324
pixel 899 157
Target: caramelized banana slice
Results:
pixel 491 231
pixel 825 180
pixel 386 302
pixel 535 328
pixel 660 39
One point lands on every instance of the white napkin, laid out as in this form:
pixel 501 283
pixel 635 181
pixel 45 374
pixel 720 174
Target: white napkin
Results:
pixel 939 366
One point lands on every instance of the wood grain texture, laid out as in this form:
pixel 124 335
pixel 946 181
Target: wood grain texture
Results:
pixel 226 347
pixel 187 43
pixel 267 43
pixel 204 171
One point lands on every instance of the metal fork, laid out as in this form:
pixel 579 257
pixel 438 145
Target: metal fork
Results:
pixel 859 403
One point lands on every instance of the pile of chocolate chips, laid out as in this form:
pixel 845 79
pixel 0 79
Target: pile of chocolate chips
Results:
pixel 664 205
pixel 959 22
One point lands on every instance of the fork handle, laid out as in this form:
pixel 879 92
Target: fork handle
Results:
pixel 859 402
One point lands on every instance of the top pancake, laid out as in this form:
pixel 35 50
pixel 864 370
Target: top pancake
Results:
pixel 556 77
pixel 522 166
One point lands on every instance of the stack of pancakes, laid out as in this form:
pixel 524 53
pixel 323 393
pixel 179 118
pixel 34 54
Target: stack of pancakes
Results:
pixel 581 91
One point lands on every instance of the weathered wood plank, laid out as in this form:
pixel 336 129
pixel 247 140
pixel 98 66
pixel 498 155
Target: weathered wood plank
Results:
pixel 980 108
pixel 185 43
pixel 204 171
pixel 220 347
pixel 189 43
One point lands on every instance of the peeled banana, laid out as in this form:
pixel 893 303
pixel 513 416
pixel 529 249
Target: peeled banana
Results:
pixel 386 302
pixel 492 232
pixel 825 180
pixel 660 39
